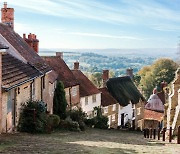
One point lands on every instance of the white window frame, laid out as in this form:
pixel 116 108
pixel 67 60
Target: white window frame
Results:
pixel 114 107
pixel 113 117
pixel 74 91
pixel 86 100
pixel 138 110
pixel 105 109
pixel 94 98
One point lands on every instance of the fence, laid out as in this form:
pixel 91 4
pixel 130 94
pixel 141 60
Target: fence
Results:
pixel 151 133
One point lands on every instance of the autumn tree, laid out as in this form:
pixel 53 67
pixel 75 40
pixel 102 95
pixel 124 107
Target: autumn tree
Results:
pixel 96 78
pixel 151 76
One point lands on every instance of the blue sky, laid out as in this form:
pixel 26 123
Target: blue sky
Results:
pixel 99 23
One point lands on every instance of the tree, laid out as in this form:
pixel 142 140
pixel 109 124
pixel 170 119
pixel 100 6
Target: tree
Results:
pixel 151 76
pixel 59 101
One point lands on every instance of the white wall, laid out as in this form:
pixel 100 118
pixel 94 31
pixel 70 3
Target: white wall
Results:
pixel 90 106
pixel 128 113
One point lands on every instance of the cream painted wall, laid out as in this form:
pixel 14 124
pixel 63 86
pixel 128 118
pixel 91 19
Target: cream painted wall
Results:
pixel 90 106
pixel 128 113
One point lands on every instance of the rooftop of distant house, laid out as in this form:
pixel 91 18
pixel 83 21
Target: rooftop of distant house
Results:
pixel 87 88
pixel 106 98
pixel 124 90
pixel 64 73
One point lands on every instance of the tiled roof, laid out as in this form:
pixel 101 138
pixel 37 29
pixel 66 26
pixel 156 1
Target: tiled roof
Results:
pixel 155 103
pixel 2 46
pixel 15 72
pixel 23 48
pixel 64 73
pixel 106 98
pixel 86 86
pixel 52 76
pixel 153 115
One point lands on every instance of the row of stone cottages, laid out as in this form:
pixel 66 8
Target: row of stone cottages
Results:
pixel 27 76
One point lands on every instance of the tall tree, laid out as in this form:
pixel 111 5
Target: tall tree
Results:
pixel 151 76
pixel 59 101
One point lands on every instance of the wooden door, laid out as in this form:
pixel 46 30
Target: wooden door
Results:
pixel 122 119
pixel 11 110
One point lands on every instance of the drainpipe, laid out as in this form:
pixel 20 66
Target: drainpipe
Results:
pixel 70 98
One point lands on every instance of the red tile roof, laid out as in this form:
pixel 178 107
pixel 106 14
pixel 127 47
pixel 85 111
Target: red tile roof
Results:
pixel 64 73
pixel 52 76
pixel 153 115
pixel 106 98
pixel 15 72
pixel 86 86
pixel 23 48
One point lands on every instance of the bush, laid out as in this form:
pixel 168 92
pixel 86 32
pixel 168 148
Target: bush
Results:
pixel 90 122
pixel 82 125
pixel 101 122
pixel 69 125
pixel 53 121
pixel 33 118
pixel 78 116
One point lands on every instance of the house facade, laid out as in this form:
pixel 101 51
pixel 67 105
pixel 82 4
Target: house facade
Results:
pixel 131 102
pixel 172 111
pixel 25 76
pixel 71 85
pixel 110 107
pixel 90 96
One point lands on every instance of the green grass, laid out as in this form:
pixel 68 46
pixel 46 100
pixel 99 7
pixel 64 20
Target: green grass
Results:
pixel 92 141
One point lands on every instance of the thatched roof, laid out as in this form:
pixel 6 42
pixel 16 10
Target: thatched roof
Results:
pixel 124 90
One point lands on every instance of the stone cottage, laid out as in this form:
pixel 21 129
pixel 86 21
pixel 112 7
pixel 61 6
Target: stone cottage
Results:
pixel 131 109
pixel 25 76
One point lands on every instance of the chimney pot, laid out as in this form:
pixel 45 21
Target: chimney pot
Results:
pixel 59 54
pixel 105 77
pixel 129 72
pixel 5 5
pixel 32 41
pixel 76 65
pixel 24 36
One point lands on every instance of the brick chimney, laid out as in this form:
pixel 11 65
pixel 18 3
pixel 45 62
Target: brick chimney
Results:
pixel 129 72
pixel 105 77
pixel 76 65
pixel 59 54
pixel 7 15
pixel 32 41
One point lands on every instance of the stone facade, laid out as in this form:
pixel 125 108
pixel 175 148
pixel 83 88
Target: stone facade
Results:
pixel 111 112
pixel 13 99
pixel 139 115
pixel 172 113
pixel 72 96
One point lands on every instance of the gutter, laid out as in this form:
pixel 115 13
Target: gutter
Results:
pixel 19 84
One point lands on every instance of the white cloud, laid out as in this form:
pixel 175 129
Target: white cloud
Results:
pixel 102 35
pixel 166 27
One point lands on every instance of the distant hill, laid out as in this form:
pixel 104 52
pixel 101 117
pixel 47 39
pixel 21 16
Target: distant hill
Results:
pixel 153 52
pixel 117 60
